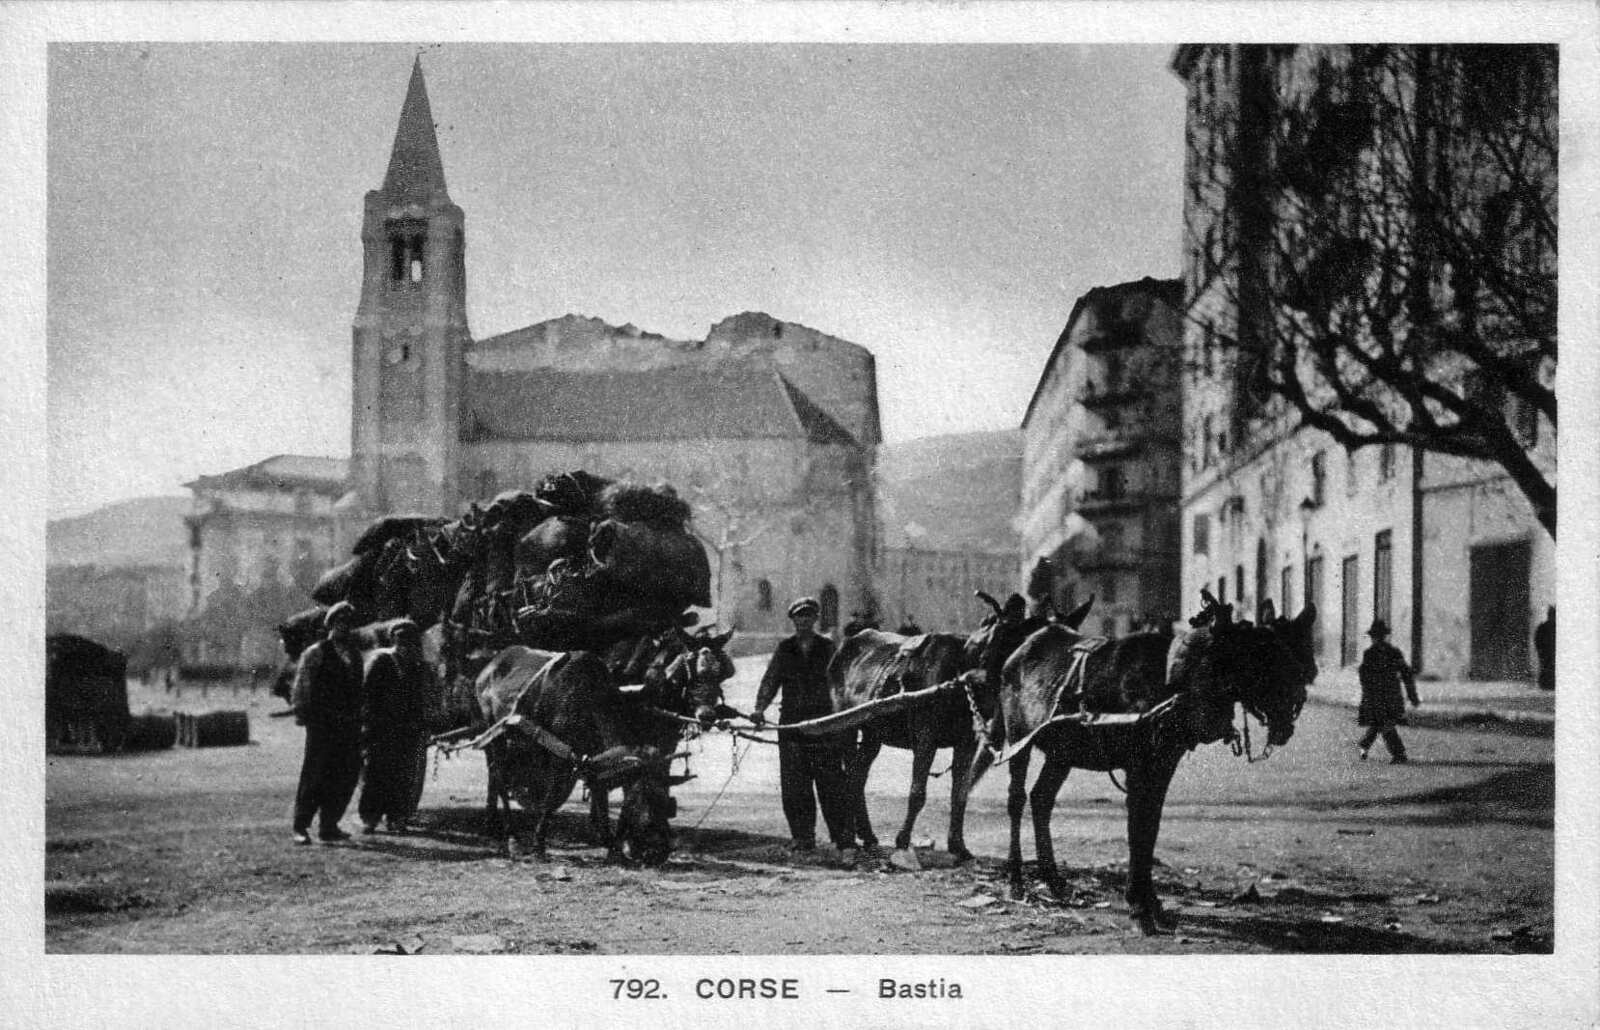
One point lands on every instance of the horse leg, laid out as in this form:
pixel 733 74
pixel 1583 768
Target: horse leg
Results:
pixel 860 768
pixel 600 816
pixel 1043 802
pixel 922 752
pixel 960 786
pixel 1016 799
pixel 1147 794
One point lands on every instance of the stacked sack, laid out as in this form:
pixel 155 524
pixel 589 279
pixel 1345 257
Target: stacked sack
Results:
pixel 578 563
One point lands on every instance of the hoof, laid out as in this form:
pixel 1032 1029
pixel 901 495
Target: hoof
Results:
pixel 1154 920
pixel 1058 889
pixel 1018 891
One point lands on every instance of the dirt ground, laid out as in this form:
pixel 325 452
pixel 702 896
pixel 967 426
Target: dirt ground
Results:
pixel 188 851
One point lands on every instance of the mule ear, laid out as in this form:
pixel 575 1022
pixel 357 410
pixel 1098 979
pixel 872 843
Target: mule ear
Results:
pixel 1307 615
pixel 1075 617
pixel 719 643
pixel 1208 599
pixel 1016 608
pixel 1267 613
pixel 990 601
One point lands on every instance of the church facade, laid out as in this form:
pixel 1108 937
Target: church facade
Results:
pixel 768 429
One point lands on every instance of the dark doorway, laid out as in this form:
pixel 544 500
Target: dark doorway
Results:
pixel 1350 589
pixel 1314 596
pixel 1498 593
pixel 829 617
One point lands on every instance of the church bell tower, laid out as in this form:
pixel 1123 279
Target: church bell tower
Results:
pixel 410 332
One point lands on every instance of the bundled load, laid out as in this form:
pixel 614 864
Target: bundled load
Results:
pixel 578 563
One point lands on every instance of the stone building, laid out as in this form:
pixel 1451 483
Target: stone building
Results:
pixel 115 605
pixel 1446 550
pixel 768 428
pixel 1101 457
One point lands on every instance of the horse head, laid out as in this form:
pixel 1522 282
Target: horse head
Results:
pixel 689 671
pixel 999 634
pixel 1265 668
pixel 644 828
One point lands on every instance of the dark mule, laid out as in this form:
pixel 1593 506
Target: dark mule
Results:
pixel 672 687
pixel 871 665
pixel 1185 693
pixel 572 723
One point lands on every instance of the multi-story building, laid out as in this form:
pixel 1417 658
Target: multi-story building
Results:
pixel 1446 550
pixel 1101 444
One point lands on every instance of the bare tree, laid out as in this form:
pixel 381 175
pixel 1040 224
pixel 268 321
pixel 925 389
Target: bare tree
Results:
pixel 727 519
pixel 1378 226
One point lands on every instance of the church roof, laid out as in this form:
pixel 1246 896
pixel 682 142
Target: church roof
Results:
pixel 694 402
pixel 282 472
pixel 415 168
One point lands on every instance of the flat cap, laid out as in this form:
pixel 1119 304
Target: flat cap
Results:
pixel 804 606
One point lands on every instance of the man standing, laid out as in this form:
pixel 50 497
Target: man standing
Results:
pixel 397 693
pixel 1383 672
pixel 327 702
pixel 811 770
pixel 1544 648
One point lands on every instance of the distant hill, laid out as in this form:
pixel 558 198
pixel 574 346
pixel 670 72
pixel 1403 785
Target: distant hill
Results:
pixel 143 531
pixel 962 490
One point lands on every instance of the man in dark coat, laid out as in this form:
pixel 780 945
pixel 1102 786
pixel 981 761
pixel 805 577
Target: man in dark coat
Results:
pixel 1544 647
pixel 327 702
pixel 398 691
pixel 1383 672
pixel 811 770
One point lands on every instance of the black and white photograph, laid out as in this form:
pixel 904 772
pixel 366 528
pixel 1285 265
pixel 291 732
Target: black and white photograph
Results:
pixel 842 514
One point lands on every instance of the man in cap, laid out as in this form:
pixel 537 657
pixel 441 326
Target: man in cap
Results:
pixel 811 769
pixel 327 702
pixel 1384 671
pixel 398 692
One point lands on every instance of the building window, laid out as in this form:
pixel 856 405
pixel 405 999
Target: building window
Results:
pixel 1238 585
pixel 1319 478
pixel 1207 439
pixel 1286 590
pixel 1350 624
pixel 1383 576
pixel 1113 483
pixel 1386 462
pixel 1222 589
pixel 829 616
pixel 1202 534
pixel 764 595
pixel 1351 473
pixel 1314 577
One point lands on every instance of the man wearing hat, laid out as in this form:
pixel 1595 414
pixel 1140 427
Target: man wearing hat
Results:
pixel 327 702
pixel 811 770
pixel 397 692
pixel 1384 671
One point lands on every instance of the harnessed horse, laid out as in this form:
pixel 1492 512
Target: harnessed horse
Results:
pixel 1139 704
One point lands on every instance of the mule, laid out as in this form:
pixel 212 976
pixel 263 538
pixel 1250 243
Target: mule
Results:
pixel 871 665
pixel 573 725
pixel 1165 698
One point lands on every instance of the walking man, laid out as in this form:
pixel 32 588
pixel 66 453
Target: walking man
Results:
pixel 811 770
pixel 397 693
pixel 1384 671
pixel 1544 648
pixel 327 702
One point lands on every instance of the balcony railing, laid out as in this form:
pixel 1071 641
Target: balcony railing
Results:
pixel 1109 445
pixel 1111 395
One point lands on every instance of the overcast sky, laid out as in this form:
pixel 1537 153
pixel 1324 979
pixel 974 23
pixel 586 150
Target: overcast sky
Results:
pixel 941 205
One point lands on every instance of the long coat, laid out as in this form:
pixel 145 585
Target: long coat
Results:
pixel 1384 673
pixel 799 680
pixel 327 688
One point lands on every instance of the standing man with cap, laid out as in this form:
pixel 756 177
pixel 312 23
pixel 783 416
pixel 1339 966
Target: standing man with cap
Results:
pixel 811 770
pixel 397 693
pixel 327 702
pixel 1384 671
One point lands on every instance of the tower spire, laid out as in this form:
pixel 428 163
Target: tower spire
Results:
pixel 415 168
